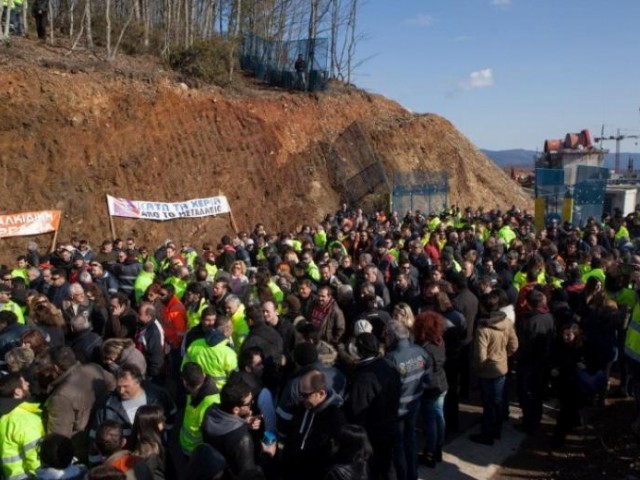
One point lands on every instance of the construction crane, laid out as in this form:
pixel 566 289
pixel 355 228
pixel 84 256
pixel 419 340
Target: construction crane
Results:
pixel 618 138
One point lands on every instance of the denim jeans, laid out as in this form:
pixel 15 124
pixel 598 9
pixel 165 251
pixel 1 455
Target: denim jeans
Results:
pixel 433 413
pixel 492 412
pixel 405 450
pixel 530 385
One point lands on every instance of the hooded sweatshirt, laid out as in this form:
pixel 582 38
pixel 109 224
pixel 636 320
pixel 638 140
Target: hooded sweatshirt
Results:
pixel 495 341
pixel 307 450
pixel 229 435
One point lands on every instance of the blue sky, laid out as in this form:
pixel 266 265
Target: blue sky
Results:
pixel 508 73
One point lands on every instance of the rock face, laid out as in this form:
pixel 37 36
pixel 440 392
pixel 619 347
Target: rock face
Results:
pixel 69 135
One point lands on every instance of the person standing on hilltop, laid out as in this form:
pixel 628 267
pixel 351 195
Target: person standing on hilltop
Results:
pixel 301 67
pixel 39 12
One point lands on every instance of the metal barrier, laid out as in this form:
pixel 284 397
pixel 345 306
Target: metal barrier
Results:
pixel 273 61
pixel 424 191
pixel 588 192
pixel 365 182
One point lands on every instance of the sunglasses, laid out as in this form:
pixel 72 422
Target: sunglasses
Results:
pixel 306 395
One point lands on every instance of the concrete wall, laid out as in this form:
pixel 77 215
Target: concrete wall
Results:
pixel 623 198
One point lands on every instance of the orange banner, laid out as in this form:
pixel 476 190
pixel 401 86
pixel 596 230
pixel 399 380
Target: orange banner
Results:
pixel 29 223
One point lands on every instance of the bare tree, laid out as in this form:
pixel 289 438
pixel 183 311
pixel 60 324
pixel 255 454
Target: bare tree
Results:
pixel 179 23
pixel 7 23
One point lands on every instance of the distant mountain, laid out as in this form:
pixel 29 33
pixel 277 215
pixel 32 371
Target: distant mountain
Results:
pixel 520 158
pixel 511 158
pixel 610 160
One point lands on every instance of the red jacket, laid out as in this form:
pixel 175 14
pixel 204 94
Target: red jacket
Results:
pixel 173 317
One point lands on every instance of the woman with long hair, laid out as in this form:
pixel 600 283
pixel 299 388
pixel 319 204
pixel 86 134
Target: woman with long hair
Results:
pixel 403 313
pixel 428 332
pixel 36 341
pixel 352 454
pixel 239 282
pixel 100 312
pixel 48 318
pixel 148 428
pixel 455 332
pixel 117 352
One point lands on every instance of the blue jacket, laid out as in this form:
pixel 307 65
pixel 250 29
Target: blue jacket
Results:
pixel 414 366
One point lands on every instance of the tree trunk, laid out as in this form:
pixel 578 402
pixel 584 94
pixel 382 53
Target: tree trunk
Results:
pixel 351 50
pixel 234 38
pixel 124 29
pixel 7 20
pixel 50 16
pixel 107 18
pixel 87 24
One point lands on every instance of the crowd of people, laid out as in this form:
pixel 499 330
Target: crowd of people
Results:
pixel 338 351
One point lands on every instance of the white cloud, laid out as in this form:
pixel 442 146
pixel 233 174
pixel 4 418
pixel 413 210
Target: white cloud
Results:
pixel 478 79
pixel 420 20
pixel 501 3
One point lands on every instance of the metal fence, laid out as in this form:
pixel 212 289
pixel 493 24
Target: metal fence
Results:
pixel 365 182
pixel 550 186
pixel 273 61
pixel 588 192
pixel 424 191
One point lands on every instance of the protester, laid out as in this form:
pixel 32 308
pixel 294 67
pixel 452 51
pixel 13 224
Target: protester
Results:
pixel 495 341
pixel 384 303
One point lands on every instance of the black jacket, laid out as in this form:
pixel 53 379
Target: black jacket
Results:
pixel 149 340
pixel 348 471
pixel 288 333
pixel 268 339
pixel 230 436
pixel 535 338
pixel 374 396
pixel 290 394
pixel 438 380
pixel 10 337
pixel 87 346
pixel 307 450
pixel 467 303
pixel 110 407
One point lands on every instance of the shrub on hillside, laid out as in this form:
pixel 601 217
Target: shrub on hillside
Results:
pixel 133 40
pixel 207 60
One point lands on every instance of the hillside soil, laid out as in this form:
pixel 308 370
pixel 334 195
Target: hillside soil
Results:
pixel 75 128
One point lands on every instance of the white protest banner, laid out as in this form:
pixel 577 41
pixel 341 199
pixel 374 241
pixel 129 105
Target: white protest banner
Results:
pixel 199 207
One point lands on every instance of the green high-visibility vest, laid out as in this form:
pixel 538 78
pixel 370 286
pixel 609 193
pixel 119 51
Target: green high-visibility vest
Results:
pixel 190 433
pixel 217 361
pixel 15 308
pixel 20 430
pixel 194 316
pixel 632 340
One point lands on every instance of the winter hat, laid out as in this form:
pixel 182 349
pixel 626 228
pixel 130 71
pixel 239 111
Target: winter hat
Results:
pixel 367 345
pixel 362 326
